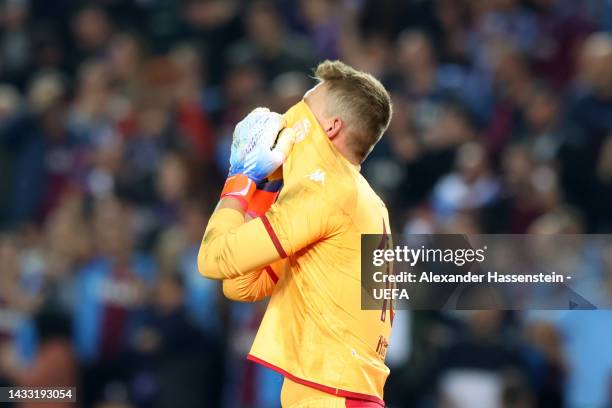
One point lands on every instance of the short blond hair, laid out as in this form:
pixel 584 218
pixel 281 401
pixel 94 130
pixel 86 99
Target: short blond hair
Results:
pixel 360 100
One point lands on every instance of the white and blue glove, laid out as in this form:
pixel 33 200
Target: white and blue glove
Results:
pixel 258 146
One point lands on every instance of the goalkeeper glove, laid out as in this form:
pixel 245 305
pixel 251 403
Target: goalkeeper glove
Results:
pixel 258 148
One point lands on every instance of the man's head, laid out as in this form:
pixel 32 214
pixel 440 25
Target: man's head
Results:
pixel 352 106
pixel 594 63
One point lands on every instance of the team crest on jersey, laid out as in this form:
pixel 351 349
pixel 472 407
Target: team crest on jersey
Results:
pixel 301 129
pixel 318 175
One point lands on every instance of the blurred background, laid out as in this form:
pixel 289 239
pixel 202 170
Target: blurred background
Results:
pixel 115 123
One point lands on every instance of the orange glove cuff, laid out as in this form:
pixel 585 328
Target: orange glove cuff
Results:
pixel 261 202
pixel 240 187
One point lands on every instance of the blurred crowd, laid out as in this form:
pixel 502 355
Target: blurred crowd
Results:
pixel 115 124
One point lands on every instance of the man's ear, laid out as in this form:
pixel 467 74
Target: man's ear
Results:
pixel 333 127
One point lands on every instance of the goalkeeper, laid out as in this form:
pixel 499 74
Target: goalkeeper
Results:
pixel 304 250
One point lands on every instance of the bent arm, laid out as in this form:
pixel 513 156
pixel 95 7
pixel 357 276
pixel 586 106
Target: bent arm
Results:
pixel 231 247
pixel 253 286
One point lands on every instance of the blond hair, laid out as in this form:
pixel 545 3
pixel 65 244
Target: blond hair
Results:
pixel 360 100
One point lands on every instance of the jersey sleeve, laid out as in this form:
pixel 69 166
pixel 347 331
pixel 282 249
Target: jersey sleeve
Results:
pixel 303 215
pixel 231 247
pixel 255 285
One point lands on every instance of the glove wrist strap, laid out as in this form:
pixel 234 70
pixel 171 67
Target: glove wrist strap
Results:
pixel 240 187
pixel 261 202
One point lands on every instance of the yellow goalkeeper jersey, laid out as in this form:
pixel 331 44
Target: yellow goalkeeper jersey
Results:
pixel 314 331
